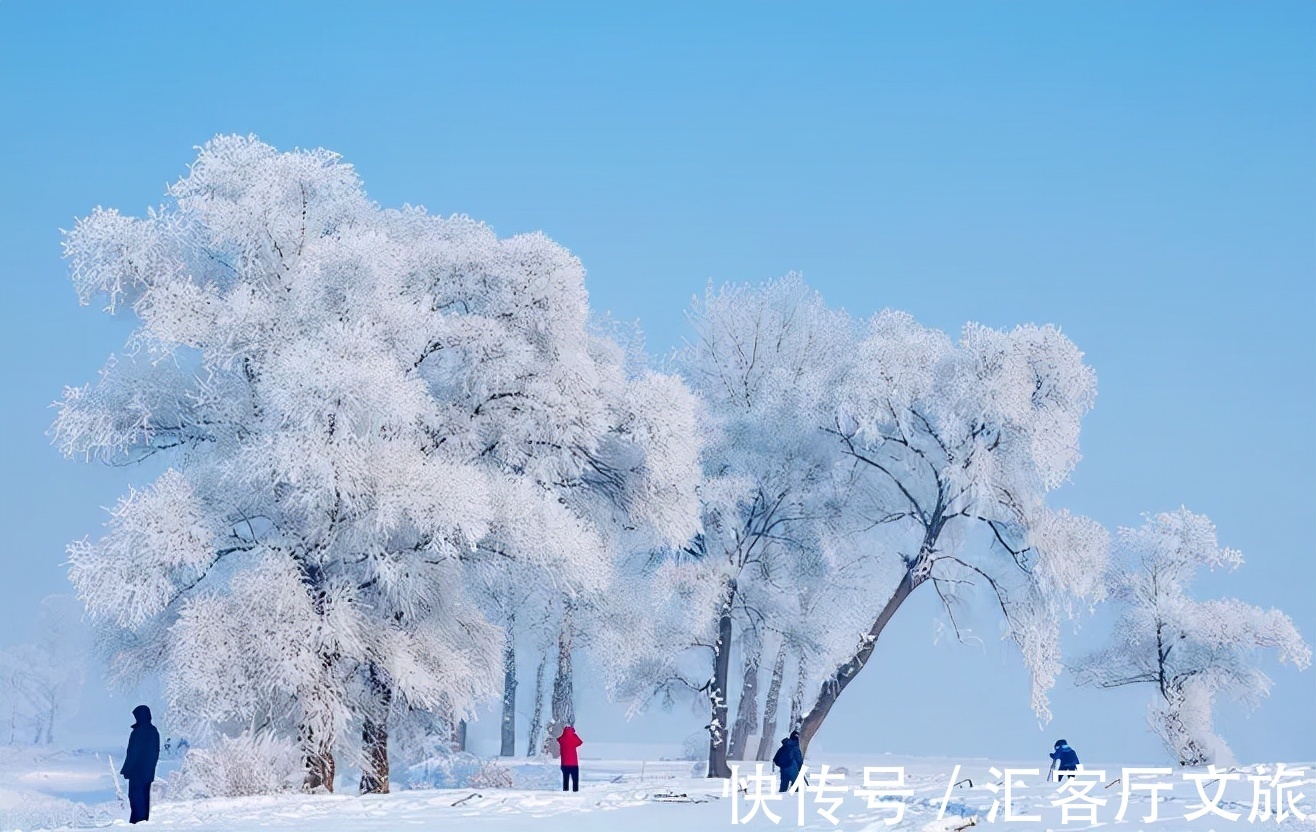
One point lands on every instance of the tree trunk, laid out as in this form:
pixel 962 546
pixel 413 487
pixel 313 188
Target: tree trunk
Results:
pixel 770 705
pixel 457 733
pixel 717 689
pixel 747 711
pixel 319 762
pixel 564 709
pixel 509 691
pixel 844 675
pixel 449 723
pixel 317 748
pixel 374 735
pixel 536 714
pixel 797 697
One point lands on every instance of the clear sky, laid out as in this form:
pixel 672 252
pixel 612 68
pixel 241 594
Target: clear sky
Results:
pixel 1142 174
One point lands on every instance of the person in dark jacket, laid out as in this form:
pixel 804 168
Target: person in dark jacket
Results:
pixel 789 760
pixel 1066 759
pixel 568 743
pixel 139 764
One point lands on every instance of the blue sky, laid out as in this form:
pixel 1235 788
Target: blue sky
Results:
pixel 1143 175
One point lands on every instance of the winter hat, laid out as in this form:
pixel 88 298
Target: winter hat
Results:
pixel 142 714
pixel 1060 743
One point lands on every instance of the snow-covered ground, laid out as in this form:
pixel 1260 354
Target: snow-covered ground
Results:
pixel 75 789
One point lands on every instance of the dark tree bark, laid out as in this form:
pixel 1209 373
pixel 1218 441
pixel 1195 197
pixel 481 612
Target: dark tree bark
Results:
pixel 747 710
pixel 318 760
pixel 508 748
pixel 459 735
pixel 717 689
pixel 319 770
pixel 317 748
pixel 564 708
pixel 797 697
pixel 374 734
pixel 771 706
pixel 537 713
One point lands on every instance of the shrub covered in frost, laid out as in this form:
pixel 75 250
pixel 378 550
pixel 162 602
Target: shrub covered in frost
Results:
pixel 460 769
pixel 248 764
pixel 490 776
pixel 444 771
pixel 31 810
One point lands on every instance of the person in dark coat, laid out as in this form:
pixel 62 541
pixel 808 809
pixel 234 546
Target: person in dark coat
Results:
pixel 139 764
pixel 789 760
pixel 1066 759
pixel 798 752
pixel 568 743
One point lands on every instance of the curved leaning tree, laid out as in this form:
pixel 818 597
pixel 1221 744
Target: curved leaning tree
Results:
pixel 358 407
pixel 954 447
pixel 845 470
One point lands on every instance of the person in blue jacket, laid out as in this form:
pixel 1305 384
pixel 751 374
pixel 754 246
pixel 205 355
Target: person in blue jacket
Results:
pixel 789 760
pixel 139 764
pixel 1066 759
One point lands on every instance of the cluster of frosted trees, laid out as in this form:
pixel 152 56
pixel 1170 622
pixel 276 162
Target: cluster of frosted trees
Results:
pixel 398 448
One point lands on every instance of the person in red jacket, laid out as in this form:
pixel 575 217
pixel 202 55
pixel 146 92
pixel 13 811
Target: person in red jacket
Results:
pixel 568 743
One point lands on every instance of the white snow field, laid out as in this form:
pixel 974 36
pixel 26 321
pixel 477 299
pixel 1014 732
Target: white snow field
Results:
pixel 75 790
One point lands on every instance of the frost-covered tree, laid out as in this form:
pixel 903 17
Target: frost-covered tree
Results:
pixel 766 362
pixel 11 686
pixel 954 446
pixel 42 680
pixel 532 745
pixel 358 405
pixel 1189 651
pixel 847 471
